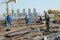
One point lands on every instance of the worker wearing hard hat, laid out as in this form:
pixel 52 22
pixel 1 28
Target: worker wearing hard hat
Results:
pixel 47 20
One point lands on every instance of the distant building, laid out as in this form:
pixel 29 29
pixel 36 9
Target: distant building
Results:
pixel 29 13
pixel 34 12
pixel 4 14
pixel 24 12
pixel 21 14
pixel 12 12
pixel 18 12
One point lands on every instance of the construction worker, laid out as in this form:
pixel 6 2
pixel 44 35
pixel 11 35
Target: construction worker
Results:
pixel 9 21
pixel 47 20
pixel 27 20
pixel 40 19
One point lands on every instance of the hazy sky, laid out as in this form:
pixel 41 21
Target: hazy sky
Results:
pixel 40 5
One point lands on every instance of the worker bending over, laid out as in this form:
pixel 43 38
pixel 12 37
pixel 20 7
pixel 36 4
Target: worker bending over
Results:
pixel 27 21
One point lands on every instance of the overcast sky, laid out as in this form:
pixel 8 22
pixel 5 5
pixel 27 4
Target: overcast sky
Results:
pixel 40 5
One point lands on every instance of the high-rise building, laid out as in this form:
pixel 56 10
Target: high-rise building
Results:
pixel 29 13
pixel 12 12
pixel 24 12
pixel 34 12
pixel 21 14
pixel 18 12
pixel 4 14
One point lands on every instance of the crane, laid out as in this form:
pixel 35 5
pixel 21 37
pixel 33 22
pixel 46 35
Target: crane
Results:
pixel 7 2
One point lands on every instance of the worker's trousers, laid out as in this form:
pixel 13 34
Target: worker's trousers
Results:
pixel 47 25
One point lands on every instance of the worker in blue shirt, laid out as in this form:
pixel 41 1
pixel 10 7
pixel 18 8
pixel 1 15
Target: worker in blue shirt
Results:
pixel 9 22
pixel 27 20
pixel 9 19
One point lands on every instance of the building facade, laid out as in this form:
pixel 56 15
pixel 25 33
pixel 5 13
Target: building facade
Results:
pixel 29 13
pixel 34 12
pixel 24 12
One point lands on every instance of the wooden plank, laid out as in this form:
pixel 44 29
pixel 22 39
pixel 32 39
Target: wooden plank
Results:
pixel 18 33
pixel 10 32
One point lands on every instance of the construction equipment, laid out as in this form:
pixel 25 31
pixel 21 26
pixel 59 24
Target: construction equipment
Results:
pixel 56 14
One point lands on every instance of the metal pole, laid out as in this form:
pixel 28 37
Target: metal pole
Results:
pixel 7 9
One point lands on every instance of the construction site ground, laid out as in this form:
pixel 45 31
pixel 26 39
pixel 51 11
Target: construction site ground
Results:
pixel 26 32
